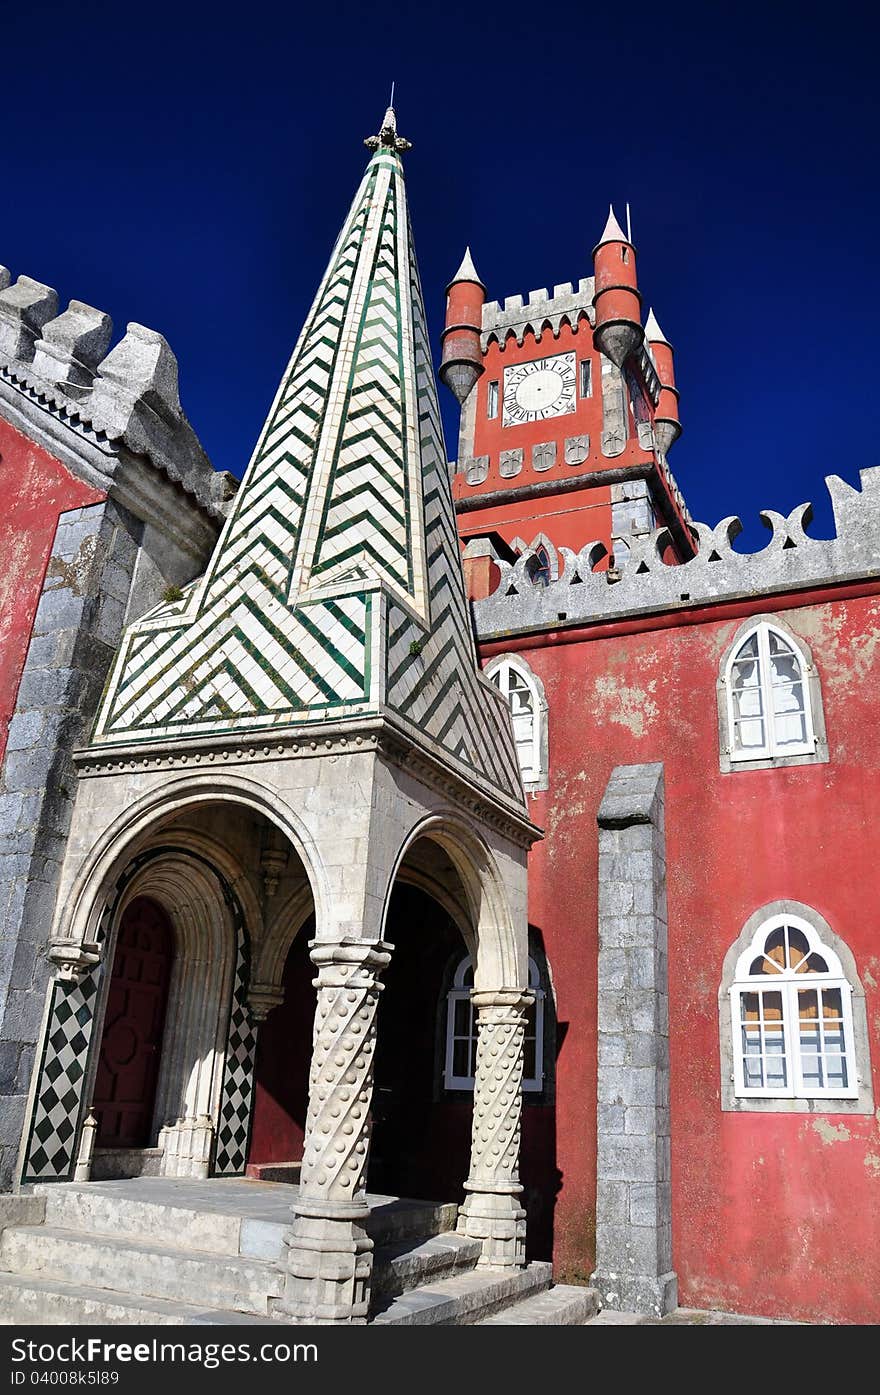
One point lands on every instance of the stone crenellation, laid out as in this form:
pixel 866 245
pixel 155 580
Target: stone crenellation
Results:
pixel 126 395
pixel 539 312
pixel 642 583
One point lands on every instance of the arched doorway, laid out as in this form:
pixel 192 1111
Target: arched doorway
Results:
pixel 134 1020
pixel 281 1078
pixel 421 1130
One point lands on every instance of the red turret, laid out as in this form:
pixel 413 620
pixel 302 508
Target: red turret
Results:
pixel 616 299
pixel 667 427
pixel 462 360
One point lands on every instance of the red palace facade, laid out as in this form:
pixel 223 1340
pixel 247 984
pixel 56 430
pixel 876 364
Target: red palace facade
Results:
pixel 753 680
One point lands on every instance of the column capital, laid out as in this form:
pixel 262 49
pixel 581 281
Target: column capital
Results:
pixel 262 998
pixel 339 960
pixel 73 960
pixel 514 999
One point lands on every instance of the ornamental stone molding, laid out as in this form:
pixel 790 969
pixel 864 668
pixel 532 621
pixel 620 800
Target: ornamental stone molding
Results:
pixel 791 561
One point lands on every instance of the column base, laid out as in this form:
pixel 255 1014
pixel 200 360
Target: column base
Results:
pixel 653 1295
pixel 498 1220
pixel 328 1261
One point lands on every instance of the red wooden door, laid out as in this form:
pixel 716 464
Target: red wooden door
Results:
pixel 128 1065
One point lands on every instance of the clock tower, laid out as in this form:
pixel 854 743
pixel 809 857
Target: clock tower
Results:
pixel 568 410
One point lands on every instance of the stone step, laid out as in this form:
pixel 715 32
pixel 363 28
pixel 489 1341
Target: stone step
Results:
pixel 401 1218
pixel 233 1218
pixel 127 1265
pixel 399 1268
pixel 463 1299
pixel 275 1172
pixel 564 1305
pixel 27 1299
pixel 105 1209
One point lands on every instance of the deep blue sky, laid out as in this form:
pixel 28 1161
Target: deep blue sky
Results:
pixel 188 166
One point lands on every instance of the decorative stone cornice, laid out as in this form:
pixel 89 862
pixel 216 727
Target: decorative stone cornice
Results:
pixel 791 561
pixel 382 734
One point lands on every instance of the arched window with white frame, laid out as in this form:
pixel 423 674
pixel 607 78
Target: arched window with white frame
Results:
pixel 528 710
pixel 461 1032
pixel 770 702
pixel 791 1014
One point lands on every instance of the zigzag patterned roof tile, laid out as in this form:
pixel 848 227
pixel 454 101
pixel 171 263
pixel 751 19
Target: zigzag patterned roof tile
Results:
pixel 336 587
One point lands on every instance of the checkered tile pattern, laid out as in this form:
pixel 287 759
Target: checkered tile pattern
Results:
pixel 51 1150
pixel 236 1100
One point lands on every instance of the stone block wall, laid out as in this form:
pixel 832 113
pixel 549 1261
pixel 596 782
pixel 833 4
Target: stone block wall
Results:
pixel 633 1194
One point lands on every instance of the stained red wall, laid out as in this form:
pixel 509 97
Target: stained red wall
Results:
pixel 34 489
pixel 772 1214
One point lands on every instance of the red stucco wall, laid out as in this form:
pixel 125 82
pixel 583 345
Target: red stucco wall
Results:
pixel 34 489
pixel 772 1214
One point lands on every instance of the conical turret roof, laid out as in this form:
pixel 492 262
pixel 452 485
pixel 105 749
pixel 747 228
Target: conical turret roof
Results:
pixel 653 332
pixel 336 588
pixel 613 231
pixel 467 271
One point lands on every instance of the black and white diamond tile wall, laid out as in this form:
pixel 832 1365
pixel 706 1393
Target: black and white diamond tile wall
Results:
pixel 51 1150
pixel 236 1100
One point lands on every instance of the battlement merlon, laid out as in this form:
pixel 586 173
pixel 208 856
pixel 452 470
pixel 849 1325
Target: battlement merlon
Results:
pixel 539 312
pixel 97 408
pixel 792 561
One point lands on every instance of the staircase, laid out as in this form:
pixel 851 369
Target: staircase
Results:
pixel 168 1251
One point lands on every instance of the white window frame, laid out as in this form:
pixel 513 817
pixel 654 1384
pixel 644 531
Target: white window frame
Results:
pixel 492 400
pixel 460 991
pixel 534 773
pixel 787 984
pixel 771 748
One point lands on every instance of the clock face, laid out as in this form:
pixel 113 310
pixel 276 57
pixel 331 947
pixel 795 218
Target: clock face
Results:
pixel 540 389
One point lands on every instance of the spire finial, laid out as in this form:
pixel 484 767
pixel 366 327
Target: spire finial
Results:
pixel 388 137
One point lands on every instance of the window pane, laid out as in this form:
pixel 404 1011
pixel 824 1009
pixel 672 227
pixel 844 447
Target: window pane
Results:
pixel 749 650
pixel 798 948
pixel 750 735
pixel 749 1009
pixel 836 1073
pixel 520 694
pixel 462 1027
pixel 814 965
pixel 748 703
pixel 789 709
pixel 492 405
pixel 808 1005
pixel 763 1041
pixel 461 1063
pixel 774 948
pixel 772 1006
pixel 529 1059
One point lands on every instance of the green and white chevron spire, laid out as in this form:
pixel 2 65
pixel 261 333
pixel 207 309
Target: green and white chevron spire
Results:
pixel 335 589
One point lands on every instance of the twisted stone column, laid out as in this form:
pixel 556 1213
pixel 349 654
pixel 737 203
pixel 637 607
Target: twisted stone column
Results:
pixel 491 1211
pixel 329 1256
